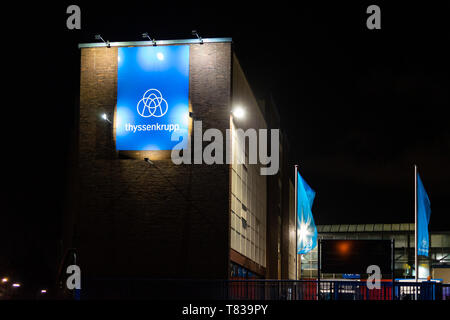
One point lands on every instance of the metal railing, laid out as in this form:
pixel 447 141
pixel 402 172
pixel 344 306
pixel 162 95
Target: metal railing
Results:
pixel 175 289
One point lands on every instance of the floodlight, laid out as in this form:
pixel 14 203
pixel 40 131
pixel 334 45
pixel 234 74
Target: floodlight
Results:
pixel 195 33
pixel 99 37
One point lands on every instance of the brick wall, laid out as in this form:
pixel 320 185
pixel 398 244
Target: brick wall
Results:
pixel 135 219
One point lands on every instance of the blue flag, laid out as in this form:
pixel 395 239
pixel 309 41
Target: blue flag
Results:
pixel 306 228
pixel 423 218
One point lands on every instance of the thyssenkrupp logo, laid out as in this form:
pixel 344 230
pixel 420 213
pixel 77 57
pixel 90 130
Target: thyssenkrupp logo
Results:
pixel 152 104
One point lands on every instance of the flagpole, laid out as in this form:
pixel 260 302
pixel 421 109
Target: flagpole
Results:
pixel 416 260
pixel 296 218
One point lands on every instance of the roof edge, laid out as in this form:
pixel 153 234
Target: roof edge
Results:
pixel 151 43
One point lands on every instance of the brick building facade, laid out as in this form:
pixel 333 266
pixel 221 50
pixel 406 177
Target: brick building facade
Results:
pixel 130 218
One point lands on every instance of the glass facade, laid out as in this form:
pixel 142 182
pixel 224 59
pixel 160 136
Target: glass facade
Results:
pixel 248 204
pixel 238 272
pixel 403 235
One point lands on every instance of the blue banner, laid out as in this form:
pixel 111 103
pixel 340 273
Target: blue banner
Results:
pixel 152 97
pixel 306 228
pixel 423 219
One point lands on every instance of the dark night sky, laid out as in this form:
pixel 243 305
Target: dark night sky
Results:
pixel 360 106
